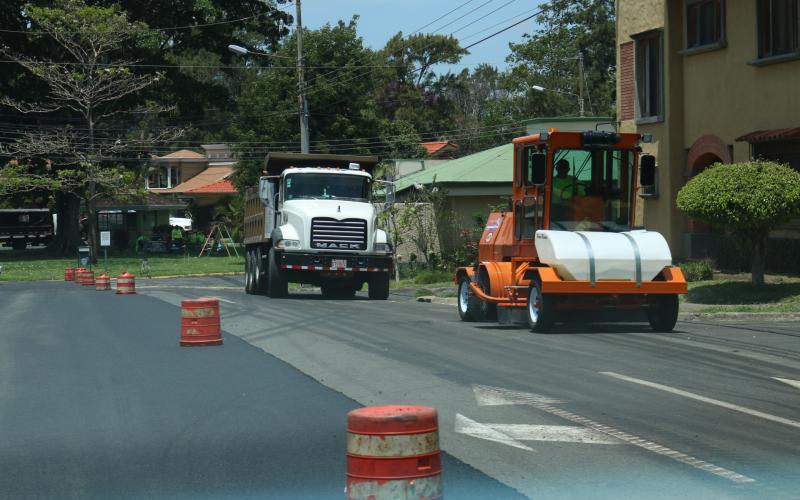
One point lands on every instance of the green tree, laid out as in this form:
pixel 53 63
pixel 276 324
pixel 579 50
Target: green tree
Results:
pixel 339 81
pixel 547 58
pixel 88 77
pixel 749 199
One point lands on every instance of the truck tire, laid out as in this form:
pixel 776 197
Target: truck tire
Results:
pixel 379 286
pixel 470 307
pixel 259 280
pixel 540 308
pixel 663 312
pixel 489 310
pixel 248 272
pixel 277 286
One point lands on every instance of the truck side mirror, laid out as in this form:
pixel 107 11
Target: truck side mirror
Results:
pixel 647 170
pixel 538 169
pixel 266 191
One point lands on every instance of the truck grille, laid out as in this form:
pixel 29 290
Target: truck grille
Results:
pixel 347 234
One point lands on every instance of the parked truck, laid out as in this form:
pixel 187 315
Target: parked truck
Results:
pixel 20 226
pixel 571 241
pixel 311 220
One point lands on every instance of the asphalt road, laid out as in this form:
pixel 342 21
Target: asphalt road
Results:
pixel 97 400
pixel 590 411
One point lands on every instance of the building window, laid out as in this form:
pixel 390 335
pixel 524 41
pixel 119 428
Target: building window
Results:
pixel 649 75
pixel 163 178
pixel 777 27
pixel 704 23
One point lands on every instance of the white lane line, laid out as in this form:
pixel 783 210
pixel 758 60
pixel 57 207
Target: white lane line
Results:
pixel 697 397
pixel 224 300
pixel 793 383
pixel 536 402
pixel 557 433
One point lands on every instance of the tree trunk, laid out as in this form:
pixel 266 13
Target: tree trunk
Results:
pixel 91 228
pixel 67 237
pixel 759 260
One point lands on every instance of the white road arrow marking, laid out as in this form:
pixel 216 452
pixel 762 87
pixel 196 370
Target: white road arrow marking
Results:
pixel 793 383
pixel 489 396
pixel 697 397
pixel 511 433
pixel 472 428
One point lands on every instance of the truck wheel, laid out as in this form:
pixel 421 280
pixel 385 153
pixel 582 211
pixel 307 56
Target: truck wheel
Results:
pixel 489 309
pixel 259 280
pixel 277 286
pixel 541 313
pixel 379 286
pixel 663 312
pixel 248 272
pixel 470 307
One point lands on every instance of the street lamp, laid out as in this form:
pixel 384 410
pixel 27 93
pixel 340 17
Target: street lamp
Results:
pixel 579 58
pixel 539 88
pixel 301 94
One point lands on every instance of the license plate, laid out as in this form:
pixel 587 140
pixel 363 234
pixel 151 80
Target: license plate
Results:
pixel 339 263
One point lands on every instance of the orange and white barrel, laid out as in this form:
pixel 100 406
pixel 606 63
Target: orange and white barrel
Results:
pixel 79 277
pixel 126 284
pixel 88 278
pixel 393 452
pixel 200 323
pixel 103 282
pixel 69 274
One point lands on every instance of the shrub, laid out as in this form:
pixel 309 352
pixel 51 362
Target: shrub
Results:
pixel 749 199
pixel 428 277
pixel 699 270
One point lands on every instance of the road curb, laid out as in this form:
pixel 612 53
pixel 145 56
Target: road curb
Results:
pixel 685 316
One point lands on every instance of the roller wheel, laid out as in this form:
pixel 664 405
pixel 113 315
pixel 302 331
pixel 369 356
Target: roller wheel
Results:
pixel 541 310
pixel 277 286
pixel 470 307
pixel 663 312
pixel 379 286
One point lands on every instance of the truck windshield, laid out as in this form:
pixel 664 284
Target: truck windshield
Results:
pixel 326 186
pixel 591 190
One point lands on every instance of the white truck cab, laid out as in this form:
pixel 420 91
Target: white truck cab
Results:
pixel 315 223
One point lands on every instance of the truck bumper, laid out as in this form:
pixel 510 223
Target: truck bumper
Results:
pixel 298 261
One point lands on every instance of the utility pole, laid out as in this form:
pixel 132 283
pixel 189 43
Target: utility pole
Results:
pixel 580 83
pixel 301 94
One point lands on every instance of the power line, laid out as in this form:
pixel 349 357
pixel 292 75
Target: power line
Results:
pixel 440 17
pixel 505 29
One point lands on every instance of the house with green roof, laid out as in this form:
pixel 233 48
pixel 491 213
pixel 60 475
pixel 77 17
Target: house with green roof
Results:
pixel 473 183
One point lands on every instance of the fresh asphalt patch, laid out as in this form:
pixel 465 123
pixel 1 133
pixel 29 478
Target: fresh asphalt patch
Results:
pixel 98 400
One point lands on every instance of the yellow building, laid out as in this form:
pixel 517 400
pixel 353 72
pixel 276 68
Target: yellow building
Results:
pixel 712 81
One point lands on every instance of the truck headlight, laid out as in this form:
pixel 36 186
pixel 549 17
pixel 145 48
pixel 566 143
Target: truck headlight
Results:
pixel 383 247
pixel 288 245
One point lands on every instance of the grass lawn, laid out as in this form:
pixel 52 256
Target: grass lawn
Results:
pixel 28 266
pixel 735 293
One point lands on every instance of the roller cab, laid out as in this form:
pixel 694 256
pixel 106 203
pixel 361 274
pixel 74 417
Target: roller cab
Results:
pixel 570 241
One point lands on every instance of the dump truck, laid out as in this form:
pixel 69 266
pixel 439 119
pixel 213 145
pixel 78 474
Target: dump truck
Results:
pixel 20 226
pixel 311 220
pixel 570 241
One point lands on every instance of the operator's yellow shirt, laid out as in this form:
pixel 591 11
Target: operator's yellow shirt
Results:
pixel 564 188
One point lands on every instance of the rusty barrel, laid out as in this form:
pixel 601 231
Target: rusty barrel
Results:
pixel 88 278
pixel 103 282
pixel 126 284
pixel 393 453
pixel 69 274
pixel 200 324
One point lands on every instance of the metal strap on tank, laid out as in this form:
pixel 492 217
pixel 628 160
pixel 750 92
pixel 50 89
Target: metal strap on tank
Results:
pixel 592 277
pixel 638 257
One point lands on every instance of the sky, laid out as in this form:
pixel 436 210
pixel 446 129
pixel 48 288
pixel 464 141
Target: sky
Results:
pixel 380 19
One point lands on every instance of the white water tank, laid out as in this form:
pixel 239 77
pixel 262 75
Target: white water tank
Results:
pixel 614 256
